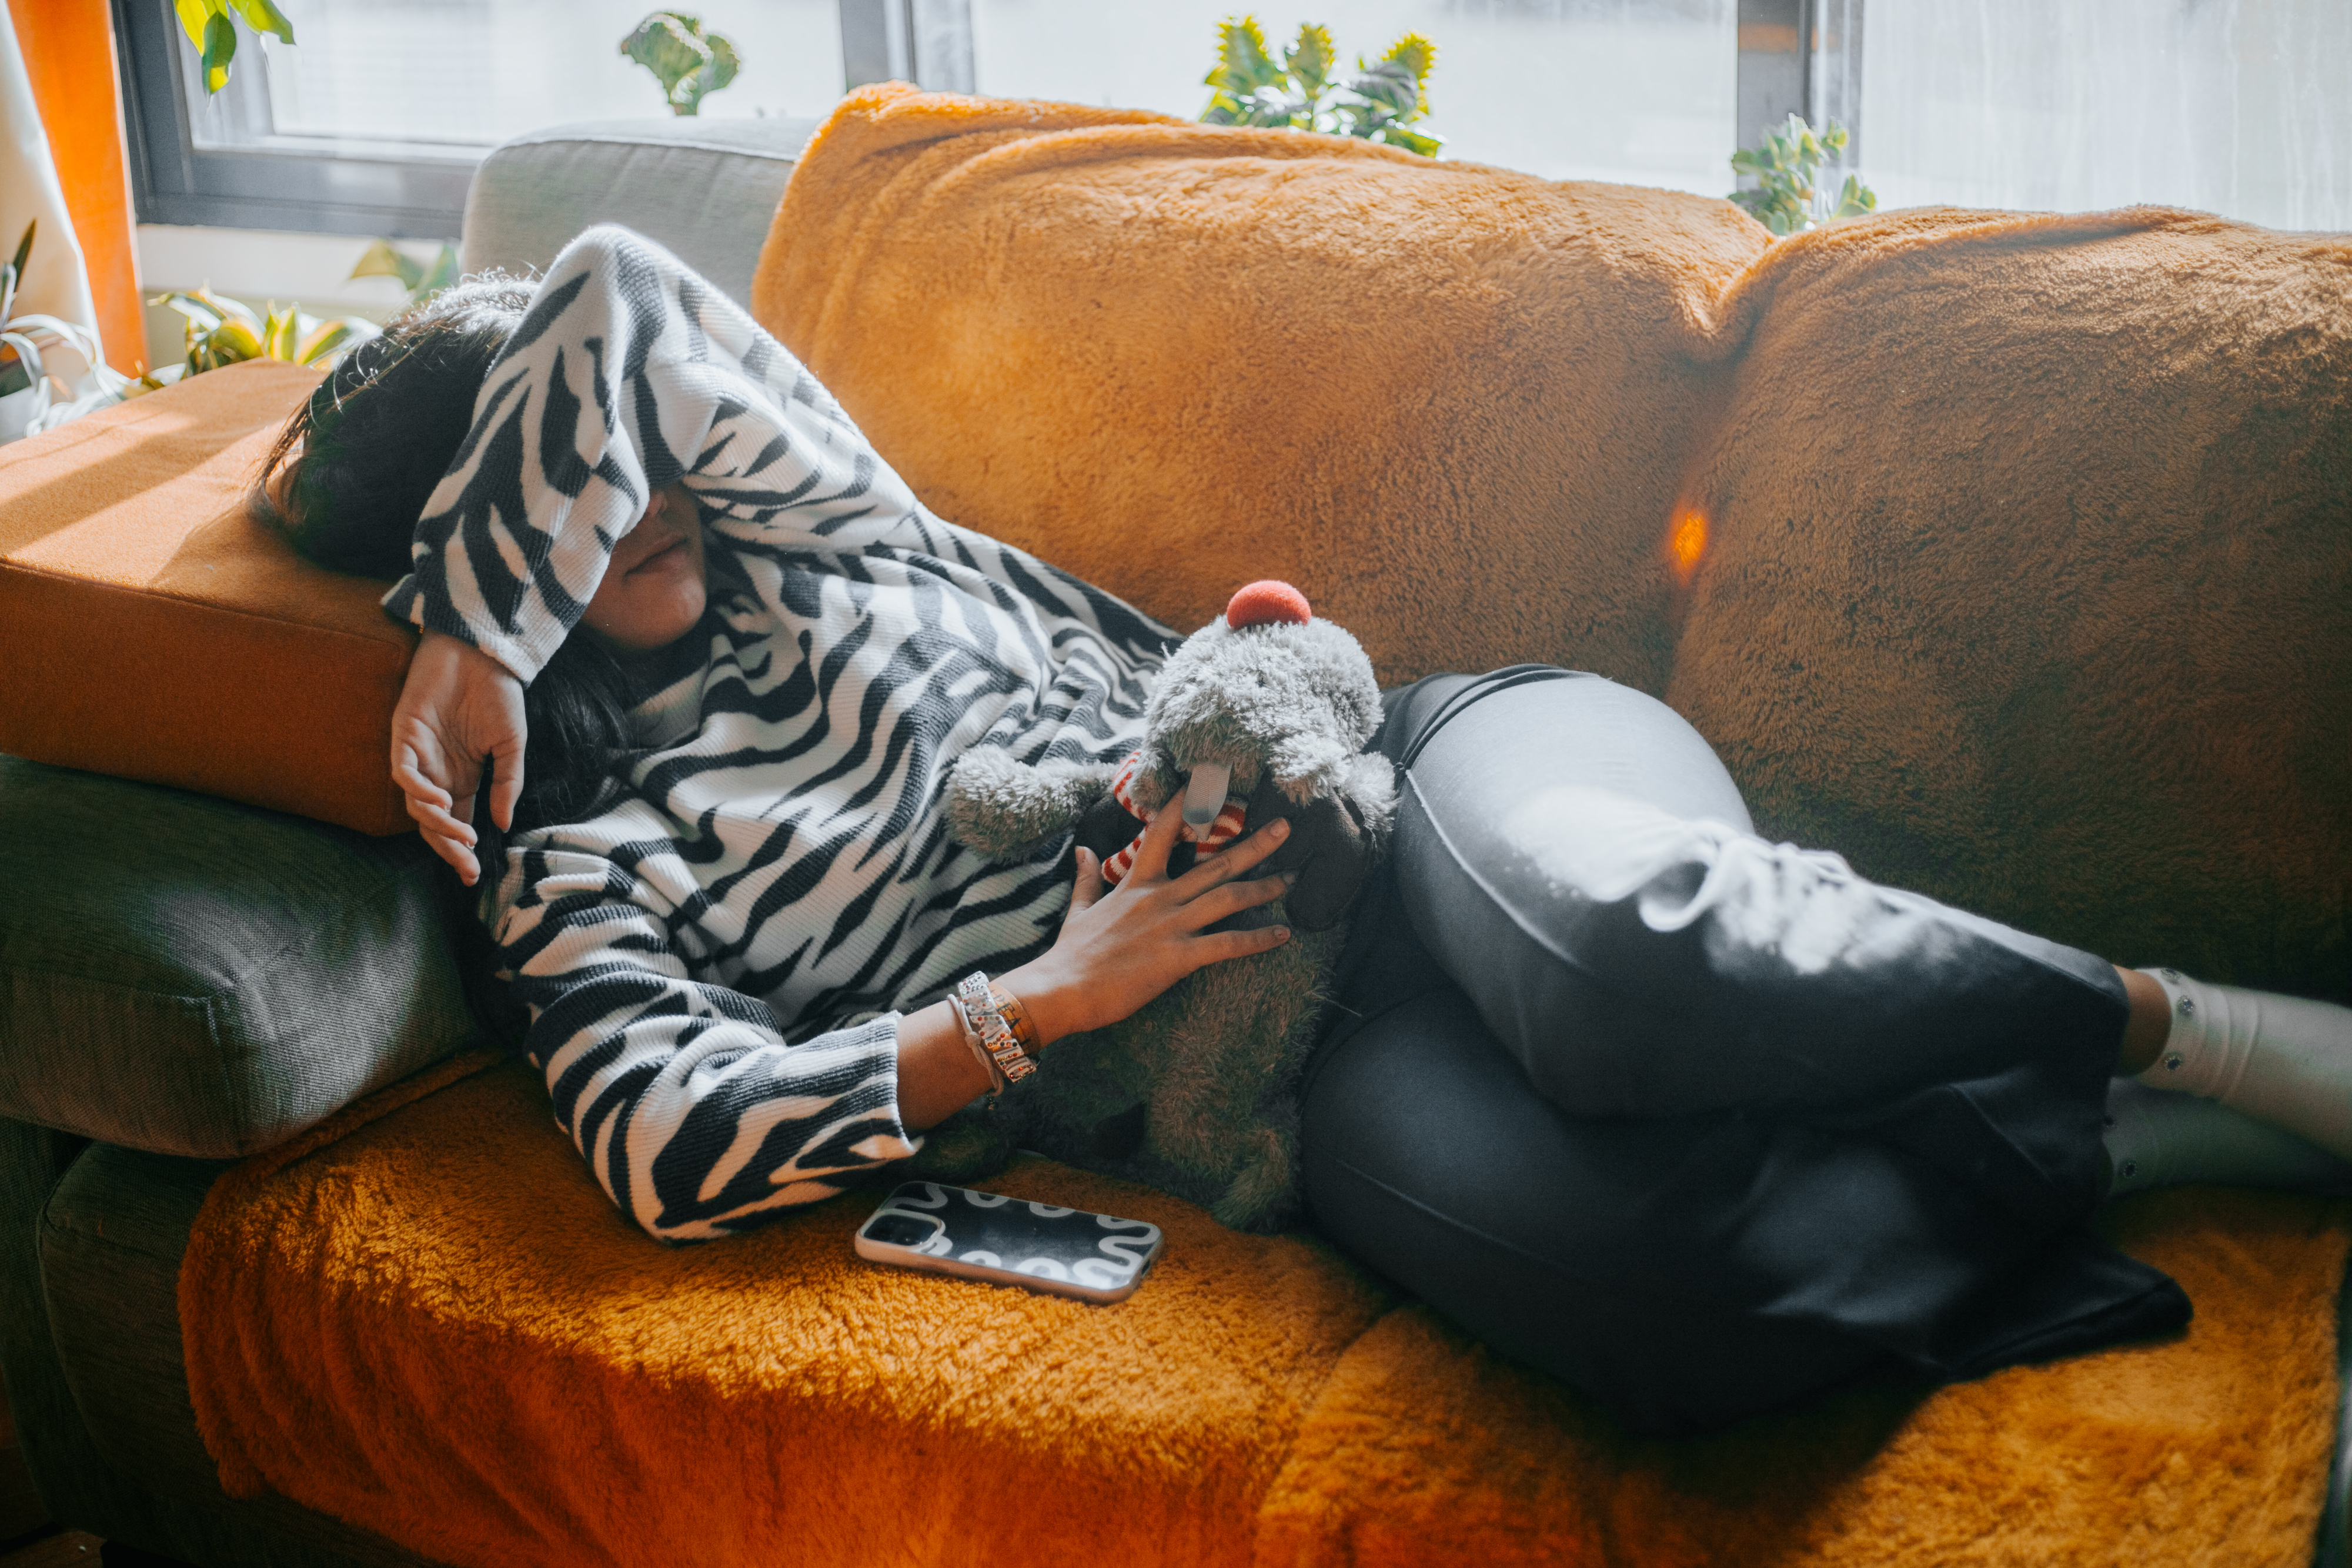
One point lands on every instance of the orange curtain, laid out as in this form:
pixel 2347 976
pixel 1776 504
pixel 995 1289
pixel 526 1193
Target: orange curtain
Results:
pixel 68 47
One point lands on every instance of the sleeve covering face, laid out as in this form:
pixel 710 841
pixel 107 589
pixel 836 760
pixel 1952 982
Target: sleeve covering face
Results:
pixel 630 372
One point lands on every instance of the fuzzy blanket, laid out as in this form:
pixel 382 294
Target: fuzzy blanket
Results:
pixel 1172 358
pixel 2024 575
pixel 433 1324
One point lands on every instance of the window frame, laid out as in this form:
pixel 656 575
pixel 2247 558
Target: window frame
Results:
pixel 279 183
pixel 316 185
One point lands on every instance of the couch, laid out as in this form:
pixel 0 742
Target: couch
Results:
pixel 1981 643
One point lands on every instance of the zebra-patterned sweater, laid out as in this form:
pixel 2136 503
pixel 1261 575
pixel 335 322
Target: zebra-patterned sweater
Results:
pixel 715 962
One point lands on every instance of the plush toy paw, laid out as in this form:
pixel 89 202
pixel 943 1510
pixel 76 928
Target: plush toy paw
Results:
pixel 999 806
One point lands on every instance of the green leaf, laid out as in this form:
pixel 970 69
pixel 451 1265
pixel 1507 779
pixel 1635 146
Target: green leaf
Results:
pixel 25 248
pixel 1419 142
pixel 331 338
pixel 687 61
pixel 1243 66
pixel 264 18
pixel 444 271
pixel 192 15
pixel 234 342
pixel 382 260
pixel 1310 59
pixel 220 48
pixel 277 333
pixel 201 312
pixel 1418 55
pixel 1388 88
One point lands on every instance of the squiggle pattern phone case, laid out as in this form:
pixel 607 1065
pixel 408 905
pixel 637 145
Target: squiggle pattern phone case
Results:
pixel 1010 1240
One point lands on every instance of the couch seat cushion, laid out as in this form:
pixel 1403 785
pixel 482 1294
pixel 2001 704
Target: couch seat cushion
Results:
pixel 438 1328
pixel 191 977
pixel 150 629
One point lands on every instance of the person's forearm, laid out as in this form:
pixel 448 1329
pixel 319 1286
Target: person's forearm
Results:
pixel 939 1074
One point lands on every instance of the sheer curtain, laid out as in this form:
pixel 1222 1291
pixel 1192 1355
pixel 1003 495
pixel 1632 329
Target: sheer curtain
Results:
pixel 2237 107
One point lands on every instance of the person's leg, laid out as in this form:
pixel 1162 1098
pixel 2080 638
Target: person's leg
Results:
pixel 1692 1270
pixel 2285 1060
pixel 1687 1271
pixel 1579 863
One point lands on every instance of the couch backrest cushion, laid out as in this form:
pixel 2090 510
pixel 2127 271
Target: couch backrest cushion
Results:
pixel 191 977
pixel 150 628
pixel 705 188
pixel 2029 576
pixel 1451 402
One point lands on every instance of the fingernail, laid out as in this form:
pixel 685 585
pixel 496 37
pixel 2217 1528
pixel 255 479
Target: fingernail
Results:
pixel 1279 827
pixel 1288 877
pixel 1281 934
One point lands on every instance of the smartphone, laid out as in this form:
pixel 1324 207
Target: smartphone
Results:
pixel 1009 1241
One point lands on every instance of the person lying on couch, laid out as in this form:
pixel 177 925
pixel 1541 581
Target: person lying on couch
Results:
pixel 1699 1124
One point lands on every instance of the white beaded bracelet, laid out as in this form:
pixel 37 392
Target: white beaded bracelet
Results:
pixel 983 1015
pixel 979 1051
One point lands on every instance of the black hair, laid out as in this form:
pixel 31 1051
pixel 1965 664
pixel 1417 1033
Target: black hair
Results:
pixel 375 437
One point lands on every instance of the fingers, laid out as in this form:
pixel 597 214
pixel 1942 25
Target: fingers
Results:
pixel 460 858
pixel 1090 884
pixel 1219 947
pixel 1231 899
pixel 1151 849
pixel 1234 858
pixel 506 781
pixel 411 777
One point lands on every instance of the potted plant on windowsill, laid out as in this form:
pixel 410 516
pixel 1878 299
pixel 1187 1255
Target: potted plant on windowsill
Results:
pixel 28 401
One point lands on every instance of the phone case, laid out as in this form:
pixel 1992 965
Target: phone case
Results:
pixel 1009 1241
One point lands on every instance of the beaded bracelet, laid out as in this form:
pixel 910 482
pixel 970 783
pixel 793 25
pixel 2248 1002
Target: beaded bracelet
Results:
pixel 983 1015
pixel 979 1051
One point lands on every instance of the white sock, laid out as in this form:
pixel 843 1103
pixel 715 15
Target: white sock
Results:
pixel 2284 1059
pixel 2156 1139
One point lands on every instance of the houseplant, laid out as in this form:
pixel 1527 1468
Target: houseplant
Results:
pixel 1301 89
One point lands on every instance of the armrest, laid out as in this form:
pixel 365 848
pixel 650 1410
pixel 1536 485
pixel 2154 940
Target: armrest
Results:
pixel 189 975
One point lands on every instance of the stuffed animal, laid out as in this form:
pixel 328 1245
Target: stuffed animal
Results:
pixel 1264 713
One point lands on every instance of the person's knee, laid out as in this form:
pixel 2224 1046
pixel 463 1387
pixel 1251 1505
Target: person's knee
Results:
pixel 1427 1155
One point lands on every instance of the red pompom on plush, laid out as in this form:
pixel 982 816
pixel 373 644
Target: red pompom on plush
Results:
pixel 1264 603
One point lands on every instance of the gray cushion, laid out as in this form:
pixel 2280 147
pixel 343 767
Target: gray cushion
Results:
pixel 705 188
pixel 193 977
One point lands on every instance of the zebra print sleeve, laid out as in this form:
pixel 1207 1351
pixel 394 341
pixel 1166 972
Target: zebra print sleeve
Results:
pixel 693 1111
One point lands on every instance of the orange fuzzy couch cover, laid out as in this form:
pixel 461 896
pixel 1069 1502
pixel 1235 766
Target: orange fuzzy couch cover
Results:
pixel 437 1328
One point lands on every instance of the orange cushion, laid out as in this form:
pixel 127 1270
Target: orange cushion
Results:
pixel 426 1320
pixel 150 628
pixel 1451 402
pixel 2031 577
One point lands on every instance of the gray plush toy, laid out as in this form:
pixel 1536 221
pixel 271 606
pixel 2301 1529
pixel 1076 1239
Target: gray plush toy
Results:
pixel 1264 713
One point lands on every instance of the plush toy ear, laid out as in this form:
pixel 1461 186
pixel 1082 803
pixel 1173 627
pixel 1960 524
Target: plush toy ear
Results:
pixel 1327 848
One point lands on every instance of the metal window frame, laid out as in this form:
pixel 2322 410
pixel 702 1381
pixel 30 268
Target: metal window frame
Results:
pixel 1821 81
pixel 322 186
pixel 927 42
pixel 306 184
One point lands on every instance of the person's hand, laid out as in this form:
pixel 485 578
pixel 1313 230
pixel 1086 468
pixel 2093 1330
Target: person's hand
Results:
pixel 458 706
pixel 1122 948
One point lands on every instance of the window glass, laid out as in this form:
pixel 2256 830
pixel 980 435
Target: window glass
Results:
pixel 2237 107
pixel 467 74
pixel 1641 91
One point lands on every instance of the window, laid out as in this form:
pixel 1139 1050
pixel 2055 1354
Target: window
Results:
pixel 1643 91
pixel 371 124
pixel 2236 106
